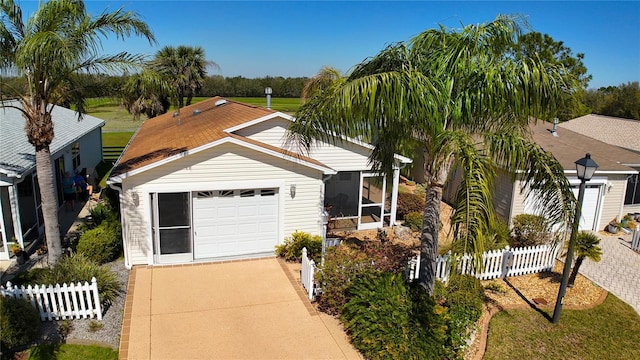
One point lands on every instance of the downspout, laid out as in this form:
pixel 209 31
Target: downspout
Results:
pixel 125 248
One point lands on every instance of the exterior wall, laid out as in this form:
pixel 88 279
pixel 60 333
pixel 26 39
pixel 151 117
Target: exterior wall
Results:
pixel 344 156
pixel 612 197
pixel 91 149
pixel 227 166
pixel 503 194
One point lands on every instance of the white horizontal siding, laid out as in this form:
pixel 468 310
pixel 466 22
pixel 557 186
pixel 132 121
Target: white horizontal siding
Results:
pixel 613 187
pixel 343 156
pixel 227 166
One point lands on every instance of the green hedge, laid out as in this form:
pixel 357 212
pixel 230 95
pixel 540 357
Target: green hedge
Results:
pixel 102 244
pixel 291 250
pixel 19 323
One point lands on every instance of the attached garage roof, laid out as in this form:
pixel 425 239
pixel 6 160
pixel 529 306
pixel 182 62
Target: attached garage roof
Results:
pixel 570 146
pixel 196 127
pixel 611 130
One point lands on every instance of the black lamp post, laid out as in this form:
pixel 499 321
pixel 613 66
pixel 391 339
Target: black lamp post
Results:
pixel 585 168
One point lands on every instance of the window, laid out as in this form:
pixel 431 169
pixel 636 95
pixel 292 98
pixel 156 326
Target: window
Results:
pixel 247 193
pixel 225 193
pixel 268 192
pixel 75 155
pixel 632 197
pixel 174 223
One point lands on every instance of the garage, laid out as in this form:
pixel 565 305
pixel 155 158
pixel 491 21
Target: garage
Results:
pixel 229 223
pixel 589 206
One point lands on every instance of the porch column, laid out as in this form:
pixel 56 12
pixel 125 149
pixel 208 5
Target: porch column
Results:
pixel 15 214
pixel 394 196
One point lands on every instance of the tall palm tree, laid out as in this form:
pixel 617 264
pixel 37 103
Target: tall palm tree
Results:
pixel 184 68
pixel 586 246
pixel 459 96
pixel 59 40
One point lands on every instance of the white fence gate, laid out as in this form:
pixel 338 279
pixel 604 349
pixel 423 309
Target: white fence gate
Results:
pixel 57 302
pixel 495 264
pixel 307 274
pixel 635 239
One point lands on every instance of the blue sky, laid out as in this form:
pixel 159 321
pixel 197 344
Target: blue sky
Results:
pixel 297 38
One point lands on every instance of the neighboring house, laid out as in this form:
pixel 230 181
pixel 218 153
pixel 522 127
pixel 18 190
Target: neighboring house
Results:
pixel 76 145
pixel 604 193
pixel 620 132
pixel 215 181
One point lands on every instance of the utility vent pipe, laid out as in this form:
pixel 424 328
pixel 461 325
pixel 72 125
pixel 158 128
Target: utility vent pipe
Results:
pixel 554 132
pixel 268 92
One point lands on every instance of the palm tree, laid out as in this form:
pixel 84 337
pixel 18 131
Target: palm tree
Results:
pixel 586 246
pixel 59 40
pixel 462 99
pixel 184 68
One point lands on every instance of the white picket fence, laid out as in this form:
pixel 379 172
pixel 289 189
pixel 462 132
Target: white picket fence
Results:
pixel 57 302
pixel 307 274
pixel 635 239
pixel 495 263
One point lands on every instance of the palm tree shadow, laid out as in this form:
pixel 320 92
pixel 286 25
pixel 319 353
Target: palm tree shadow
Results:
pixel 531 304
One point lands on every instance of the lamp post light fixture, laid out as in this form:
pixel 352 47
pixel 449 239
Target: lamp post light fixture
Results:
pixel 268 91
pixel 585 168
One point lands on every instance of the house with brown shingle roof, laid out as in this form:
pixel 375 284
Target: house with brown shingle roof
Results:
pixel 624 133
pixel 604 194
pixel 215 181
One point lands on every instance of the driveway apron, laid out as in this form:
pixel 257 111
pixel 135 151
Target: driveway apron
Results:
pixel 618 271
pixel 232 310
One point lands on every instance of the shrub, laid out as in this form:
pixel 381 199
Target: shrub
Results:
pixel 102 212
pixel 408 202
pixel 347 262
pixel 421 190
pixel 19 321
pixel 78 268
pixel 388 320
pixel 103 243
pixel 464 300
pixel 291 250
pixel 529 230
pixel 413 220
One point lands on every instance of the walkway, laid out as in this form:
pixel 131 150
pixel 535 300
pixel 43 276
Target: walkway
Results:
pixel 251 309
pixel 618 271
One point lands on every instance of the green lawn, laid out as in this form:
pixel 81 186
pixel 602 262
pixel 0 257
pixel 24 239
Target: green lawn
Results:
pixel 71 352
pixel 116 138
pixel 608 331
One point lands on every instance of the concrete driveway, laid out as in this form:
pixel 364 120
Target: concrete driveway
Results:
pixel 252 309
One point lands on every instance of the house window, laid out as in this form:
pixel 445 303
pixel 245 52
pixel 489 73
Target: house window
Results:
pixel 75 155
pixel 632 197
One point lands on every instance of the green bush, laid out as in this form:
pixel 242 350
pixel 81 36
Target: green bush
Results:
pixel 464 300
pixel 291 250
pixel 409 202
pixel 19 323
pixel 388 320
pixel 529 230
pixel 78 268
pixel 413 220
pixel 345 263
pixel 102 212
pixel 103 243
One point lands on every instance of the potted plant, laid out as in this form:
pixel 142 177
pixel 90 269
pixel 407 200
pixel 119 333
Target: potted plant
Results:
pixel 21 255
pixel 625 221
pixel 613 227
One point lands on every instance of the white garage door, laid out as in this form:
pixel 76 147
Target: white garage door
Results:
pixel 235 222
pixel 589 206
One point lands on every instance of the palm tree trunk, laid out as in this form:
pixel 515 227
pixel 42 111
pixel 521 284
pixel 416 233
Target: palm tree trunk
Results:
pixel 49 204
pixel 429 237
pixel 574 271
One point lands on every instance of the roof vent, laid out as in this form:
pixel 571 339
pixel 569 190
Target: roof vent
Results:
pixel 554 132
pixel 221 102
pixel 176 113
pixel 179 122
pixel 196 112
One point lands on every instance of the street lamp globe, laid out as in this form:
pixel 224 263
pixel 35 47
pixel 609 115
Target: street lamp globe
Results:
pixel 586 167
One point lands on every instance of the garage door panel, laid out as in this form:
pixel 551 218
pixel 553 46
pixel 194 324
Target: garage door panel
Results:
pixel 229 224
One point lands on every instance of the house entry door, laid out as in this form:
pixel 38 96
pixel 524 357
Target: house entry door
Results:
pixel 171 227
pixel 371 207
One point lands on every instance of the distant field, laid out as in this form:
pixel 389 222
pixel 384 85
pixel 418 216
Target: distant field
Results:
pixel 117 119
pixel 116 138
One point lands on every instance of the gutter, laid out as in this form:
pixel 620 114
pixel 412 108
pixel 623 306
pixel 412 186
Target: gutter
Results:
pixel 125 248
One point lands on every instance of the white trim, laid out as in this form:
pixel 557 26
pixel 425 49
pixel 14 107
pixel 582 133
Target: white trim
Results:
pixel 247 124
pixel 401 158
pixel 147 190
pixel 605 172
pixel 228 139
